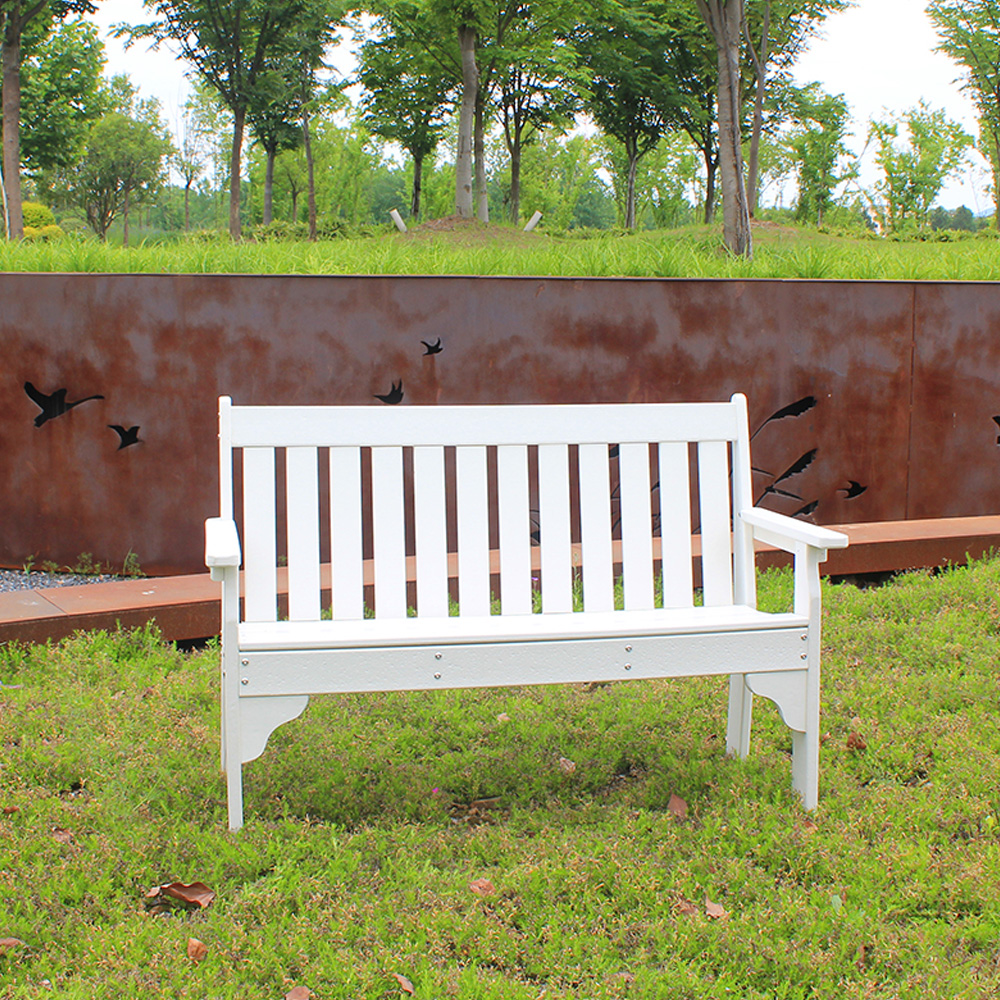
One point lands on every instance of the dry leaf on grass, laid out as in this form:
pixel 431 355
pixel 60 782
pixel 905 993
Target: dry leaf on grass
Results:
pixel 8 943
pixel 503 717
pixel 677 806
pixel 482 887
pixel 10 810
pixel 189 896
pixel 566 765
pixel 404 984
pixel 61 836
pixel 715 910
pixel 808 826
pixel 855 741
pixel 299 993
pixel 197 950
pixel 687 908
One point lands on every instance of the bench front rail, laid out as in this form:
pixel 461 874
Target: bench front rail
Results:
pixel 630 482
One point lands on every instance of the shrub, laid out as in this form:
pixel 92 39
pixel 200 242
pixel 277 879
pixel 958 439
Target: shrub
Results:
pixel 36 215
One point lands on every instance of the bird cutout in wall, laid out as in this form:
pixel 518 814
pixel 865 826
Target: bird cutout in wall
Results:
pixel 53 405
pixel 996 420
pixel 394 395
pixel 127 436
pixel 799 465
pixel 854 489
pixel 806 510
pixel 434 348
pixel 795 409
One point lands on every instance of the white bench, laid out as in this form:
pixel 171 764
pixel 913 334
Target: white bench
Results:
pixel 584 469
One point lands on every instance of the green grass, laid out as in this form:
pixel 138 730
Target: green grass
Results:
pixel 363 835
pixel 696 252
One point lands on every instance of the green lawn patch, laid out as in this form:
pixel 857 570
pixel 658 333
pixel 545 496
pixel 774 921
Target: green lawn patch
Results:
pixel 515 844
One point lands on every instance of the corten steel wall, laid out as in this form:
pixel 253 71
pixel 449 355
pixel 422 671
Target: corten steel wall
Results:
pixel 906 379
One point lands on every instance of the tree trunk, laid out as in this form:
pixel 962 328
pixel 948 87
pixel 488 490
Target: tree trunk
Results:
pixel 996 178
pixel 725 19
pixel 633 163
pixel 470 87
pixel 239 119
pixel 187 207
pixel 11 57
pixel 125 219
pixel 759 60
pixel 418 169
pixel 515 181
pixel 711 168
pixel 310 175
pixel 295 204
pixel 479 147
pixel 269 187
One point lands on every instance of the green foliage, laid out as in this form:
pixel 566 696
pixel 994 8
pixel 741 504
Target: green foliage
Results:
pixel 371 817
pixel 37 215
pixel 818 143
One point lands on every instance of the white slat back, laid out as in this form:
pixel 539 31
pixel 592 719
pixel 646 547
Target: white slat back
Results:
pixel 473 531
pixel 302 504
pixel 637 527
pixel 515 530
pixel 713 490
pixel 675 525
pixel 345 533
pixel 389 532
pixel 260 558
pixel 431 543
pixel 554 530
pixel 595 528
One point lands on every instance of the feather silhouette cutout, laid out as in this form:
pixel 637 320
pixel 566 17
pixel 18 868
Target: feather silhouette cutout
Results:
pixel 795 409
pixel 807 509
pixel 394 395
pixel 996 420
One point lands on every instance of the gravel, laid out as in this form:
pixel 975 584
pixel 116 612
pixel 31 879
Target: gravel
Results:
pixel 16 579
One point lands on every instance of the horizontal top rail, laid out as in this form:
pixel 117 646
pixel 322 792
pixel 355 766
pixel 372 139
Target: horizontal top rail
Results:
pixel 413 426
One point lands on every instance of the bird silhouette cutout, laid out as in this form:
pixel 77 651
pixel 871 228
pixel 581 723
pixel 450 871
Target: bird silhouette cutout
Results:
pixel 996 420
pixel 434 348
pixel 854 489
pixel 53 405
pixel 128 435
pixel 394 395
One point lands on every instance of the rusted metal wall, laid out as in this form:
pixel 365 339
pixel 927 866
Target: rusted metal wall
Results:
pixel 905 377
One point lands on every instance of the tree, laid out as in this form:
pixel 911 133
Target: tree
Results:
pixel 818 144
pixel 275 127
pixel 123 163
pixel 913 174
pixel 233 45
pixel 725 20
pixel 15 16
pixel 189 157
pixel 405 95
pixel 970 34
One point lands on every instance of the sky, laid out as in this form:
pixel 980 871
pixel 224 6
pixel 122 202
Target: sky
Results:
pixel 879 55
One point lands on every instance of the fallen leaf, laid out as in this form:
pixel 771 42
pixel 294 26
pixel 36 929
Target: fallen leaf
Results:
pixel 299 993
pixel 855 741
pixel 625 977
pixel 404 984
pixel 856 722
pixel 10 810
pixel 503 717
pixel 687 908
pixel 197 950
pixel 193 894
pixel 715 910
pixel 61 836
pixel 566 765
pixel 678 807
pixel 482 887
pixel 808 826
pixel 6 943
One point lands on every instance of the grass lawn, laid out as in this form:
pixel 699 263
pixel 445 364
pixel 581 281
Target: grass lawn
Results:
pixel 781 251
pixel 445 843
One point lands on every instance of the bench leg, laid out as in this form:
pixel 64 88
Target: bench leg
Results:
pixel 740 716
pixel 805 767
pixel 234 789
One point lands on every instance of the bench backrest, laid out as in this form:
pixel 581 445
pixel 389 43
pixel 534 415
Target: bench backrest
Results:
pixel 588 491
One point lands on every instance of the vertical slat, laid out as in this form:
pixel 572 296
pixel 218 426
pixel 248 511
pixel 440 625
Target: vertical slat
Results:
pixel 225 456
pixel 553 515
pixel 595 528
pixel 389 532
pixel 302 481
pixel 431 527
pixel 345 533
pixel 515 530
pixel 260 558
pixel 675 525
pixel 716 557
pixel 473 531
pixel 637 526
pixel 744 576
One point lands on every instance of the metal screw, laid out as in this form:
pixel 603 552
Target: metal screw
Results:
pixel 628 649
pixel 804 638
pixel 628 666
pixel 245 681
pixel 437 676
pixel 437 656
pixel 803 656
pixel 245 662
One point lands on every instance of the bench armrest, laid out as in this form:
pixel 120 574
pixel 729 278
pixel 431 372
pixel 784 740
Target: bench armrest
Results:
pixel 785 532
pixel 222 545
